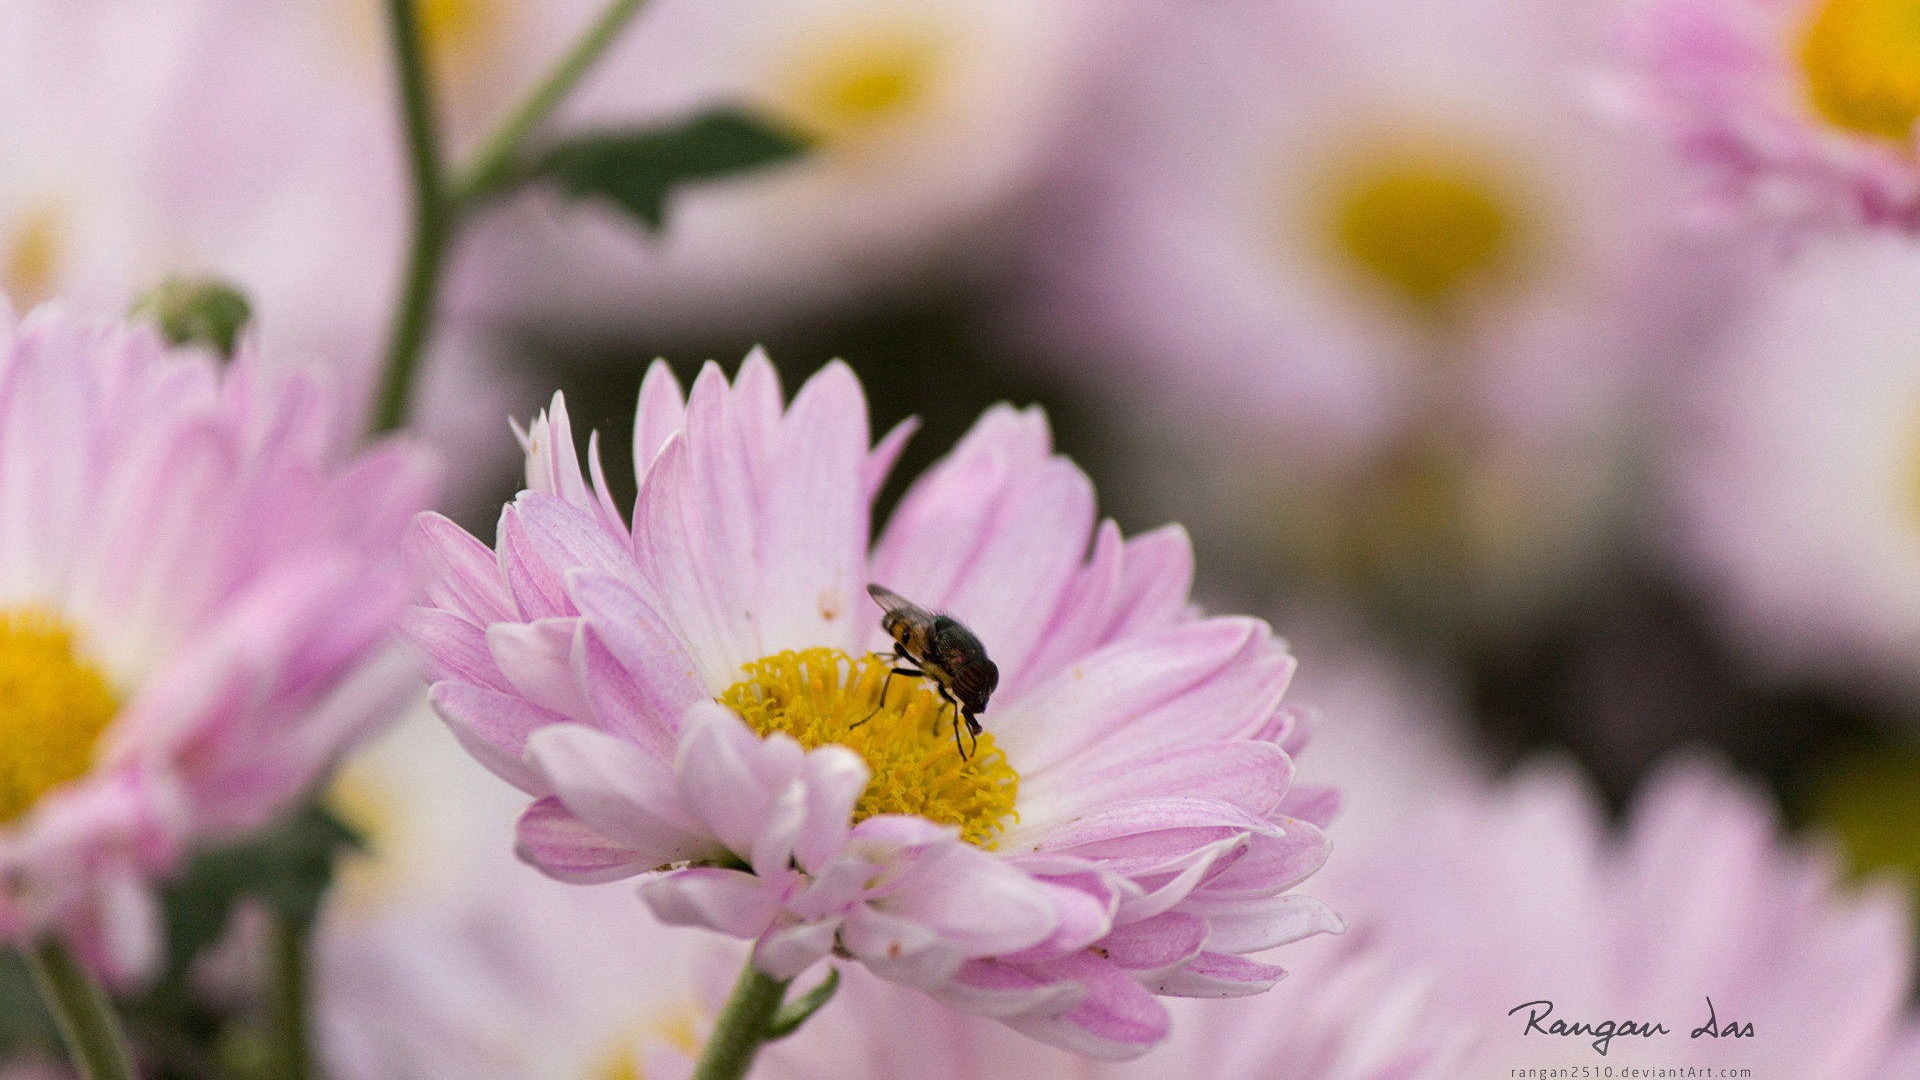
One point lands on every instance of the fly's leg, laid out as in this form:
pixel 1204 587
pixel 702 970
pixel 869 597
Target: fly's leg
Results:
pixel 973 733
pixel 946 695
pixel 887 684
pixel 956 736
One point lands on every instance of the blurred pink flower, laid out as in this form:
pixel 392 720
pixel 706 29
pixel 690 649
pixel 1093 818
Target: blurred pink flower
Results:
pixel 1509 895
pixel 254 143
pixel 197 592
pixel 1798 113
pixel 694 697
pixel 1376 268
pixel 1520 894
pixel 1357 1020
pixel 1327 220
pixel 1793 467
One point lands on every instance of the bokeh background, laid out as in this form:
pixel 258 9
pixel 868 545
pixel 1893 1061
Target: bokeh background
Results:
pixel 1400 306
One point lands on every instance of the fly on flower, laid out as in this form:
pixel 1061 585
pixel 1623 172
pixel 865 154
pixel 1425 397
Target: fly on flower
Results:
pixel 947 652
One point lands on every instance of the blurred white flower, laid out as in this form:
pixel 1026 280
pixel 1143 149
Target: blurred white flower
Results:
pixel 1795 468
pixel 520 978
pixel 926 118
pixel 441 954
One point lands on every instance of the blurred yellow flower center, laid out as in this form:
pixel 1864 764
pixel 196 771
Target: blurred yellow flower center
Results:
pixel 54 703
pixel 679 1030
pixel 841 86
pixel 1421 224
pixel 30 258
pixel 365 802
pixel 458 32
pixel 463 40
pixel 821 696
pixel 1862 62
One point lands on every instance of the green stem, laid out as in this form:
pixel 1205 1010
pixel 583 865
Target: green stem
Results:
pixel 439 204
pixel 432 217
pixel 292 1039
pixel 87 1022
pixel 494 169
pixel 744 1025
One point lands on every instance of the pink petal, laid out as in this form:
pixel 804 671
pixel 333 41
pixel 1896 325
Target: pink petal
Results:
pixel 538 590
pixel 1157 691
pixel 1255 925
pixel 537 660
pixel 1148 828
pixel 1217 975
pixel 1155 582
pixel 834 784
pixel 1079 624
pixel 621 791
pixel 900 949
pixel 813 541
pixel 660 413
pixel 722 778
pixel 787 952
pixel 1157 945
pixel 1118 1020
pixel 988 988
pixel 680 562
pixel 731 901
pixel 567 849
pixel 662 679
pixel 993 535
pixel 494 728
pixel 553 462
pixel 456 572
pixel 980 903
pixel 1249 775
pixel 873 474
pixel 455 648
pixel 564 537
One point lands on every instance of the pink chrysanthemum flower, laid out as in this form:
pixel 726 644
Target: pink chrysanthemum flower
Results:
pixel 1802 110
pixel 695 696
pixel 1506 896
pixel 196 601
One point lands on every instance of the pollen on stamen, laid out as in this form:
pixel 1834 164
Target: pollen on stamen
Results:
pixel 54 703
pixel 822 696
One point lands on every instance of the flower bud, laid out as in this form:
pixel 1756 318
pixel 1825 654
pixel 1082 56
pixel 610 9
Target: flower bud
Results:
pixel 197 311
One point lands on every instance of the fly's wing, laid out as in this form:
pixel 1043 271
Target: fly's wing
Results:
pixel 905 621
pixel 895 604
pixel 964 659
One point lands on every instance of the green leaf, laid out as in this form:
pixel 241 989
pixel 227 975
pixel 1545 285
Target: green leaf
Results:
pixel 801 1009
pixel 638 170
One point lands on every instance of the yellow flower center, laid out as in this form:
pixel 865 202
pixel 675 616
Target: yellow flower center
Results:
pixel 54 703
pixel 823 696
pixel 1862 62
pixel 30 261
pixel 1421 223
pixel 844 84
